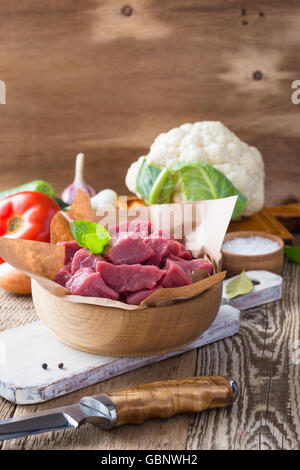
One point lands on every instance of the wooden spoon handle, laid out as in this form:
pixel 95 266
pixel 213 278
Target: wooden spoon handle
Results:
pixel 166 399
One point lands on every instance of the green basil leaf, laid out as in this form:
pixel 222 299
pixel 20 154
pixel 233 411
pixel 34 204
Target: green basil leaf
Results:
pixel 293 253
pixel 155 185
pixel 90 235
pixel 201 181
pixel 239 286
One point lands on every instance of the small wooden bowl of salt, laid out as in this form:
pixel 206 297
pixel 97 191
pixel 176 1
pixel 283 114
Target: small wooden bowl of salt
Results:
pixel 252 250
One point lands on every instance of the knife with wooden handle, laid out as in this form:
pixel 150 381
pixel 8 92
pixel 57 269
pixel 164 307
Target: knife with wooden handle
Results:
pixel 132 405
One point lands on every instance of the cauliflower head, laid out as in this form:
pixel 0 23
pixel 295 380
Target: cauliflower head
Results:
pixel 213 143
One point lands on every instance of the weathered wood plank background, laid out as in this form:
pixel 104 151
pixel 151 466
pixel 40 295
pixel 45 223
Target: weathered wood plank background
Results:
pixel 105 78
pixel 87 75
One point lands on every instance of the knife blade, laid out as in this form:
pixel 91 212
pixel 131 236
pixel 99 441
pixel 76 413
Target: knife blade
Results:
pixel 132 405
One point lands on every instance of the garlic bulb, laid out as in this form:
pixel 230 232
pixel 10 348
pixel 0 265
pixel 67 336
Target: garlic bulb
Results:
pixel 69 193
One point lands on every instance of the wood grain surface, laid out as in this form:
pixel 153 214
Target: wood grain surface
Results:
pixel 83 76
pixel 263 358
pixel 135 405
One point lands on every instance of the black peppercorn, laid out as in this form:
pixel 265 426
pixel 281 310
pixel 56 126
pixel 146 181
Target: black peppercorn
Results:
pixel 60 365
pixel 44 366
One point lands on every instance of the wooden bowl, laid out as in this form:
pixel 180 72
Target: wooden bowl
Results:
pixel 113 331
pixel 234 264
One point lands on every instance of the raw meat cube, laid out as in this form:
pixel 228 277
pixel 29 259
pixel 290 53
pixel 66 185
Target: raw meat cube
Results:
pixel 70 249
pixel 175 275
pixel 135 298
pixel 172 247
pixel 201 263
pixel 90 284
pixel 186 254
pixel 83 258
pixel 140 227
pixel 128 248
pixel 162 234
pixel 185 265
pixel 162 247
pixel 129 278
pixel 79 276
pixel 192 265
pixel 63 275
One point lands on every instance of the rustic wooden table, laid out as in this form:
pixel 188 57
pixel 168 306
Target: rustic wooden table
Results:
pixel 263 357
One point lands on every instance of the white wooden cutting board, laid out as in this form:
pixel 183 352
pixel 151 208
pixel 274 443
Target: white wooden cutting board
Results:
pixel 24 349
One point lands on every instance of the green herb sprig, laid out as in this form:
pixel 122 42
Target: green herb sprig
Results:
pixel 90 235
pixel 239 285
pixel 293 253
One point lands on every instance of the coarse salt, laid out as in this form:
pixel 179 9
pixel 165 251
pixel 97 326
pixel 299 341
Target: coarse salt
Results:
pixel 254 245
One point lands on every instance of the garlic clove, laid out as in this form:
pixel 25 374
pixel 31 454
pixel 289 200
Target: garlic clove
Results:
pixel 107 199
pixel 69 193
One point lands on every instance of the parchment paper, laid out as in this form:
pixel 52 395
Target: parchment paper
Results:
pixel 201 226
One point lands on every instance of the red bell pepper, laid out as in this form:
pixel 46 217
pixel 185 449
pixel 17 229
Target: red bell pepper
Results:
pixel 27 215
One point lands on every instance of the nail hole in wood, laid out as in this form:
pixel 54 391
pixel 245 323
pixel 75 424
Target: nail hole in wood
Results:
pixel 261 13
pixel 244 12
pixel 244 23
pixel 257 75
pixel 127 10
